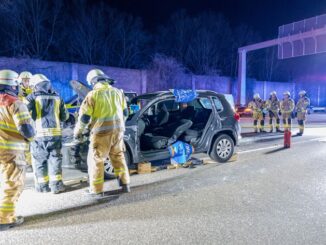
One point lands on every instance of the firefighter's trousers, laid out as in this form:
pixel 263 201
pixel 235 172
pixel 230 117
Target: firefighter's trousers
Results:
pixel 12 175
pixel 287 120
pixel 272 115
pixel 259 120
pixel 79 154
pixel 47 163
pixel 103 146
pixel 301 116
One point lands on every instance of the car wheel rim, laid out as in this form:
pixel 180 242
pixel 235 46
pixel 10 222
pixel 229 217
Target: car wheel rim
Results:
pixel 108 168
pixel 224 148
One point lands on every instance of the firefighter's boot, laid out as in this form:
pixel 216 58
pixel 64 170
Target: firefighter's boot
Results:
pixel 125 188
pixel 19 220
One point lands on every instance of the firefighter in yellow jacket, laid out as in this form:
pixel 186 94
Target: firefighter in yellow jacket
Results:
pixel 273 107
pixel 104 110
pixel 287 107
pixel 24 84
pixel 257 106
pixel 25 89
pixel 15 131
pixel 301 110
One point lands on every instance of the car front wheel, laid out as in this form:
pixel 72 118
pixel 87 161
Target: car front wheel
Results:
pixel 222 149
pixel 109 170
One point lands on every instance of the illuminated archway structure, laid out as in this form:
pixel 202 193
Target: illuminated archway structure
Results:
pixel 306 37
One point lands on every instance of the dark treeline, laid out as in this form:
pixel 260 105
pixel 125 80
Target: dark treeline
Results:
pixel 94 33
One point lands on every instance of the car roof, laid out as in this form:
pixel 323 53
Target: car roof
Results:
pixel 166 93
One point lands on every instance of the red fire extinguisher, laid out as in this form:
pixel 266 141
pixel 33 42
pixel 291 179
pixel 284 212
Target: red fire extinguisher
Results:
pixel 287 138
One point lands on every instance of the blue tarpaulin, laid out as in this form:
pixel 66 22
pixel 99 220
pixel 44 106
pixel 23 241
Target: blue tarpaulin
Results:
pixel 180 152
pixel 184 95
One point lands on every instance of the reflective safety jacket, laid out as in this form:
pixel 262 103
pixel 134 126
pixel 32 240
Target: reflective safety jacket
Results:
pixel 103 110
pixel 287 106
pixel 273 104
pixel 16 127
pixel 257 105
pixel 302 104
pixel 24 92
pixel 48 110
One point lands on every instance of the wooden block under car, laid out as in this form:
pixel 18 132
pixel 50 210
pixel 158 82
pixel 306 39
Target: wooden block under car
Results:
pixel 173 166
pixel 144 168
pixel 133 171
pixel 207 160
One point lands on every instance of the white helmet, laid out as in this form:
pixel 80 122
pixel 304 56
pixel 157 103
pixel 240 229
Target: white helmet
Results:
pixel 8 77
pixel 97 75
pixel 256 96
pixel 302 93
pixel 287 93
pixel 24 75
pixel 38 78
pixel 273 93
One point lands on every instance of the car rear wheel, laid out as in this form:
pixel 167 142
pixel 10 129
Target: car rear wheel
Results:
pixel 222 149
pixel 108 168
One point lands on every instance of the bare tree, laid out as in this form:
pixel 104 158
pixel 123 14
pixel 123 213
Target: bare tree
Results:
pixel 129 41
pixel 102 35
pixel 86 33
pixel 201 43
pixel 242 35
pixel 270 63
pixel 167 72
pixel 31 25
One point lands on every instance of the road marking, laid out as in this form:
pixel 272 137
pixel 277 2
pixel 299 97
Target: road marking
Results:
pixel 278 145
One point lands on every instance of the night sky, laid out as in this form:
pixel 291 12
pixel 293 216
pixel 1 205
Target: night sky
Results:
pixel 263 15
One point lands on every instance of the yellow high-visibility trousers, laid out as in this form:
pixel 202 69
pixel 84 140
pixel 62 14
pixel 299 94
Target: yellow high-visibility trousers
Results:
pixel 103 146
pixel 12 176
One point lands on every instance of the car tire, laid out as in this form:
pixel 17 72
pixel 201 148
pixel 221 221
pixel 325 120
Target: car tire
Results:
pixel 223 149
pixel 109 170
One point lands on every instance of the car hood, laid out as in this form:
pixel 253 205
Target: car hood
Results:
pixel 80 88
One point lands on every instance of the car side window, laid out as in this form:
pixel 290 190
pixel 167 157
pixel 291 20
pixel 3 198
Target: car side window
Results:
pixel 171 105
pixel 206 103
pixel 218 104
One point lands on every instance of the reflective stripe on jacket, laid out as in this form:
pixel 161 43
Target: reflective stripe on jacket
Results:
pixel 48 111
pixel 287 106
pixel 302 104
pixel 257 105
pixel 103 108
pixel 273 104
pixel 15 123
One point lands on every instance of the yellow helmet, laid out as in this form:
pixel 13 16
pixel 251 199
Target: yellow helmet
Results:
pixel 8 77
pixel 273 93
pixel 38 78
pixel 302 92
pixel 97 75
pixel 24 75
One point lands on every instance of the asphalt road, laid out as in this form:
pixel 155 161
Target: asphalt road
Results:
pixel 269 196
pixel 313 120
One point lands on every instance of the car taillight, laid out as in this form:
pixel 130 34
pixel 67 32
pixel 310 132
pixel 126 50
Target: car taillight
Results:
pixel 237 116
